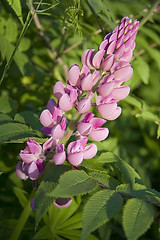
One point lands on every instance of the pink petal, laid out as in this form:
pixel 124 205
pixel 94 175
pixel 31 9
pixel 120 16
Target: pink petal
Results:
pixel 51 104
pixel 73 75
pixel 28 157
pixel 62 202
pixel 115 115
pixel 33 171
pixel 104 45
pixel 106 89
pixel 90 151
pixel 111 47
pixel 99 134
pixel 120 64
pixel 120 41
pixel 97 59
pixel 73 96
pixel 20 172
pixel 97 122
pixel 87 117
pixel 58 89
pixel 87 83
pixel 108 62
pixel 121 92
pixel 75 158
pixel 46 118
pixel 49 144
pixel 127 55
pixel 123 74
pixel 84 105
pixel 87 57
pixel 95 77
pixel 59 158
pixel 57 132
pixel 65 103
pixel 63 123
pixel 107 109
pixel 113 36
pixel 84 71
pixel 84 128
pixel 119 52
pixel 35 149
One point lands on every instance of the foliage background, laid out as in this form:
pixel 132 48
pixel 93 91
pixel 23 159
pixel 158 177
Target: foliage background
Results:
pixel 43 58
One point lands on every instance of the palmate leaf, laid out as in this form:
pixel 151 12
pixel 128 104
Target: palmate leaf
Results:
pixel 101 207
pixel 137 218
pixel 16 6
pixel 73 183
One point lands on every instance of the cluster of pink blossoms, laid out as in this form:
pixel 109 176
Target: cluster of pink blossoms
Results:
pixel 101 75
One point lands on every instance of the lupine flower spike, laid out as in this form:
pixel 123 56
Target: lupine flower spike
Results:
pixel 101 76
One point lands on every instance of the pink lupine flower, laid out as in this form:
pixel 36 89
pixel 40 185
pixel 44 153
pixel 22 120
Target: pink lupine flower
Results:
pixel 57 131
pixel 32 152
pixel 20 170
pixel 107 109
pixel 62 202
pixel 77 151
pixel 87 57
pixel 60 155
pixel 51 116
pixel 90 126
pixel 67 96
pixel 85 104
pixel 49 145
pixel 74 75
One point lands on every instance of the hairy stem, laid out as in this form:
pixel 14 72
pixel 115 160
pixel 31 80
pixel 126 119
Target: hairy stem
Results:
pixel 149 14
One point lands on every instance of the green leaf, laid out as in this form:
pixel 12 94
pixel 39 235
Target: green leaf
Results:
pixel 74 183
pixel 105 179
pixel 137 218
pixel 21 195
pixel 11 131
pixel 16 6
pixel 128 172
pixel 151 34
pixel 28 117
pixel 155 55
pixel 5 118
pixel 42 200
pixel 141 192
pixel 6 104
pixel 148 116
pixel 11 30
pixel 101 207
pixel 107 157
pixel 133 101
pixel 143 70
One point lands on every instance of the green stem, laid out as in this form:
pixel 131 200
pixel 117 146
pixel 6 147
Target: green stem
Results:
pixel 71 128
pixel 149 14
pixel 23 219
pixel 24 29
